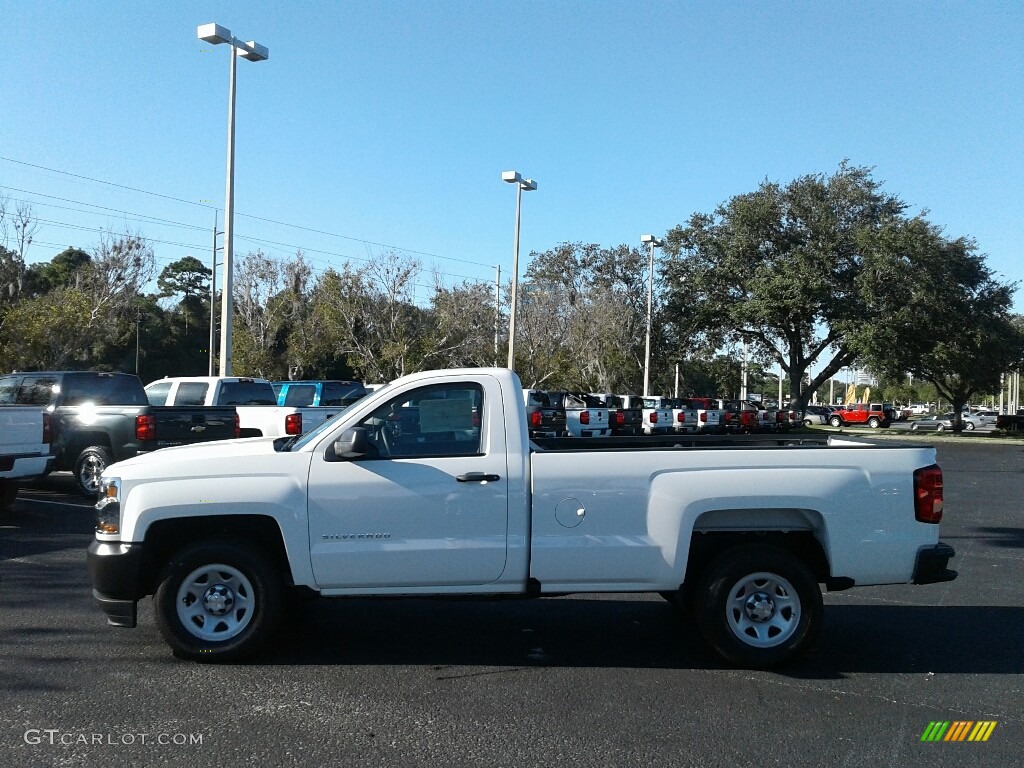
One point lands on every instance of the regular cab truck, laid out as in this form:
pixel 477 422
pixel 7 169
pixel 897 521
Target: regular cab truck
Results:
pixel 254 400
pixel 431 486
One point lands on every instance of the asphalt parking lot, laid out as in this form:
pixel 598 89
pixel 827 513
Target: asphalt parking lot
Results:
pixel 587 680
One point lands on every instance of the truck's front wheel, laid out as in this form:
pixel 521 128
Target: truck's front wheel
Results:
pixel 759 606
pixel 218 601
pixel 835 421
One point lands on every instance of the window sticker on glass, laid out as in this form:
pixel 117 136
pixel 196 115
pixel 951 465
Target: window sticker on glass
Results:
pixel 445 415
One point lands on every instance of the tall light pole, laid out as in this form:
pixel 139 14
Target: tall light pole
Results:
pixel 513 177
pixel 253 51
pixel 213 295
pixel 655 243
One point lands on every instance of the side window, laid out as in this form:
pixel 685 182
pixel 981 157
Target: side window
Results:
pixel 9 389
pixel 191 393
pixel 439 420
pixel 38 390
pixel 157 392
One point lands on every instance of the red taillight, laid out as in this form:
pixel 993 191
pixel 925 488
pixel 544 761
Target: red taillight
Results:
pixel 46 427
pixel 654 417
pixel 704 417
pixel 928 494
pixel 780 417
pixel 584 417
pixel 293 424
pixel 145 427
pixel 536 419
pixel 620 419
pixel 681 417
pixel 238 426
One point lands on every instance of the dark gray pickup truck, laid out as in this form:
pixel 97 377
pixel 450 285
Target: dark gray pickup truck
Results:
pixel 98 418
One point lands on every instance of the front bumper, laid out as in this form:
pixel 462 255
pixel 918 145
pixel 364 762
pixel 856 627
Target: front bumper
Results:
pixel 116 570
pixel 930 567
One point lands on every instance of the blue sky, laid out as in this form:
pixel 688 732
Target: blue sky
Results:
pixel 388 124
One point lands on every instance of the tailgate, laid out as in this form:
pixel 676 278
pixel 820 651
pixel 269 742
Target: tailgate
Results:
pixel 178 425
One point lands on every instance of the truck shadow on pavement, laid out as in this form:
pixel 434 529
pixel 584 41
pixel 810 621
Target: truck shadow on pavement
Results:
pixel 638 633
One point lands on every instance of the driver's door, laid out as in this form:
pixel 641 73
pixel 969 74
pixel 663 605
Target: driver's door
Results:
pixel 429 508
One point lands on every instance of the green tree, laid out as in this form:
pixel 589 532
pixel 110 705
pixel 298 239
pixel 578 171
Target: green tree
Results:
pixel 12 273
pixel 583 316
pixel 824 268
pixel 461 331
pixel 47 332
pixel 64 270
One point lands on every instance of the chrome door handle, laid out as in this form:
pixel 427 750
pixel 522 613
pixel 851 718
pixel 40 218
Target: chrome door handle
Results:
pixel 477 477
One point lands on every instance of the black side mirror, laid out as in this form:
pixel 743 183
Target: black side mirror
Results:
pixel 353 444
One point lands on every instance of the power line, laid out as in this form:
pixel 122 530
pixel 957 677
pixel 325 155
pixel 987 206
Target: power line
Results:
pixel 246 215
pixel 153 219
pixel 242 237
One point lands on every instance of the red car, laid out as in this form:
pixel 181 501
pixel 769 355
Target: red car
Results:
pixel 872 415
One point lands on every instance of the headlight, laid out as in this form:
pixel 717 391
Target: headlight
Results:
pixel 108 509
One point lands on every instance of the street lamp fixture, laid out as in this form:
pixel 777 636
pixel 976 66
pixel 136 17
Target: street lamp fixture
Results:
pixel 528 185
pixel 215 34
pixel 654 243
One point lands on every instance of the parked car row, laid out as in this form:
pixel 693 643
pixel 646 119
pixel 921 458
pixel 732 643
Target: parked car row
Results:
pixel 943 422
pixel 595 414
pixel 95 418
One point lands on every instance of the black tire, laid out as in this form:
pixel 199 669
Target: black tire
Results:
pixel 835 421
pixel 8 493
pixel 873 422
pixel 969 426
pixel 759 606
pixel 218 601
pixel 89 468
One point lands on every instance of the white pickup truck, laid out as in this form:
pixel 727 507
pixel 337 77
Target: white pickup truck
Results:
pixel 431 486
pixel 254 399
pixel 24 447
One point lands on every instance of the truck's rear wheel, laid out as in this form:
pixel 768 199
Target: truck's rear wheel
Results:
pixel 835 421
pixel 218 601
pixel 759 606
pixel 874 423
pixel 89 468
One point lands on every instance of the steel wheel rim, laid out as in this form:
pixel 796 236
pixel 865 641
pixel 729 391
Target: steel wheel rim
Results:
pixel 91 472
pixel 763 610
pixel 215 602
